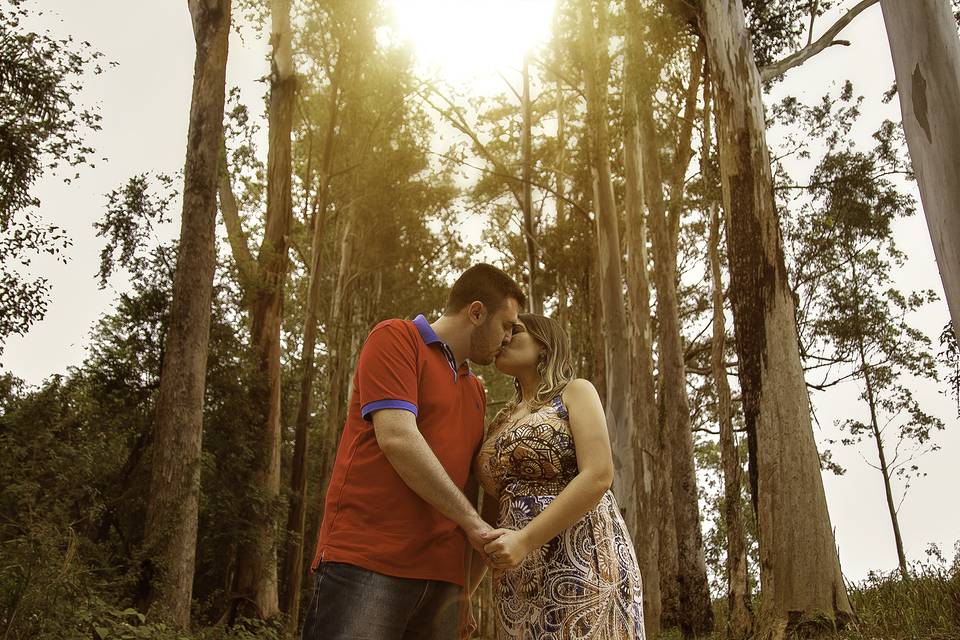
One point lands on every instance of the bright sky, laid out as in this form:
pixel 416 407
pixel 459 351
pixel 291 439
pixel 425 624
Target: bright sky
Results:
pixel 145 102
pixel 462 39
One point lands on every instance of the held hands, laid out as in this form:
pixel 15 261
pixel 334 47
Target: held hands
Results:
pixel 507 548
pixel 501 549
pixel 481 534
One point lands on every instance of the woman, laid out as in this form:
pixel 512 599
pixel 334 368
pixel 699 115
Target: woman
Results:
pixel 564 567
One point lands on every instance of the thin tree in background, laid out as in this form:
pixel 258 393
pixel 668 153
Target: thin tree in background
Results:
pixel 800 572
pixel 846 244
pixel 695 615
pixel 293 568
pixel 559 175
pixel 255 589
pixel 529 224
pixel 618 391
pixel 926 60
pixel 339 339
pixel 172 508
pixel 646 439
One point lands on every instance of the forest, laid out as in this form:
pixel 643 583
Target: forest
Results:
pixel 723 252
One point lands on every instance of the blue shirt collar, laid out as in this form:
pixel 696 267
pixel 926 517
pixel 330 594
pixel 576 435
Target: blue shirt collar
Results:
pixel 430 336
pixel 426 331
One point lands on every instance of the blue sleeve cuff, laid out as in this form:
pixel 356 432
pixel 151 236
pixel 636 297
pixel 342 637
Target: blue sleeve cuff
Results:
pixel 368 409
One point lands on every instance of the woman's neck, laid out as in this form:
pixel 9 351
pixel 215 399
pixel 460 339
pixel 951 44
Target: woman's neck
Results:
pixel 529 383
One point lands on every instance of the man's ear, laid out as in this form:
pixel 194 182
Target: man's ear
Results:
pixel 477 312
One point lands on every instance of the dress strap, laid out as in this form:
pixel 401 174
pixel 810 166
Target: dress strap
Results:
pixel 559 406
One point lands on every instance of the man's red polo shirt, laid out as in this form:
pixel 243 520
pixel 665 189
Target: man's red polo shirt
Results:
pixel 372 519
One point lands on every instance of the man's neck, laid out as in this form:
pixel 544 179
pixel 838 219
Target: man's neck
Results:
pixel 451 331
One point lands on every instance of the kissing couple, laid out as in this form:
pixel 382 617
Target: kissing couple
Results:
pixel 402 547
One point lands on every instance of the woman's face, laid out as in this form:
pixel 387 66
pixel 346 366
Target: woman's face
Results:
pixel 522 354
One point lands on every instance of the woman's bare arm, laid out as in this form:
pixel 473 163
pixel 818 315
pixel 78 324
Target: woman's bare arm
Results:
pixel 595 462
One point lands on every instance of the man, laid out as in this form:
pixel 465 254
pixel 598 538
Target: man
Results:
pixel 392 552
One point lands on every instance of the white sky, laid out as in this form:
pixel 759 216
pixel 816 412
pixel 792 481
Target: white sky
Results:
pixel 145 102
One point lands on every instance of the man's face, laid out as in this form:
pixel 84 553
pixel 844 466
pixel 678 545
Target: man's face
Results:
pixel 494 332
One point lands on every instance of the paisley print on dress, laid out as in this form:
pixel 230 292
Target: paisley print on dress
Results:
pixel 584 583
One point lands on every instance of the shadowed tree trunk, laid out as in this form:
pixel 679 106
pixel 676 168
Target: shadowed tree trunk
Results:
pixel 668 553
pixel 255 592
pixel 646 439
pixel 695 613
pixel 293 566
pixel 926 59
pixel 799 568
pixel 739 614
pixel 619 397
pixel 646 537
pixel 171 517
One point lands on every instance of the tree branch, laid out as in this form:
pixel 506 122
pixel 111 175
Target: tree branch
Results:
pixel 453 115
pixel 826 40
pixel 231 220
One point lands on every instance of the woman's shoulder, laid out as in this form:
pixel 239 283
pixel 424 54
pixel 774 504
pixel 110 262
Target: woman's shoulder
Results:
pixel 578 389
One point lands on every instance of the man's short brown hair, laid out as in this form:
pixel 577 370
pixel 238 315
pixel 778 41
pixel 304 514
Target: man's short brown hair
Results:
pixel 486 283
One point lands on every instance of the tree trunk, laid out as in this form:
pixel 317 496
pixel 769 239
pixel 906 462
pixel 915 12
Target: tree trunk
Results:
pixel 646 449
pixel 559 199
pixel 926 60
pixel 872 401
pixel 529 226
pixel 884 467
pixel 739 615
pixel 338 342
pixel 696 615
pixel 171 518
pixel 668 555
pixel 256 578
pixel 646 439
pixel 619 402
pixel 293 567
pixel 597 355
pixel 799 568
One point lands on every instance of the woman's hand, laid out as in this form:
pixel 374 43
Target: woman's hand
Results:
pixel 508 550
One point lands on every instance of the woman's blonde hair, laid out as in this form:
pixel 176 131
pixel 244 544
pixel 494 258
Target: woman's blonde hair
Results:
pixel 555 368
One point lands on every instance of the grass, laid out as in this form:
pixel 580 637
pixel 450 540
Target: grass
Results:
pixel 886 607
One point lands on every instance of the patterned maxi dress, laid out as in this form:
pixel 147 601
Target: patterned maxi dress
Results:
pixel 584 583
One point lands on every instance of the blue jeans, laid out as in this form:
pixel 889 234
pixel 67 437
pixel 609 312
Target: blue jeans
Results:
pixel 352 603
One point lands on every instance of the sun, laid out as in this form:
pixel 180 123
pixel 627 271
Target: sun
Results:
pixel 462 39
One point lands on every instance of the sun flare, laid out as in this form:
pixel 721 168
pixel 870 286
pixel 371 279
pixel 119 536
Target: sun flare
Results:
pixel 467 38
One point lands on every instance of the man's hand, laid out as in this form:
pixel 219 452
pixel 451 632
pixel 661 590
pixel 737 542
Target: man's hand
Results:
pixel 480 534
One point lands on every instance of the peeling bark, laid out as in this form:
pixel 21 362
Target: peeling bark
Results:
pixel 799 569
pixel 926 59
